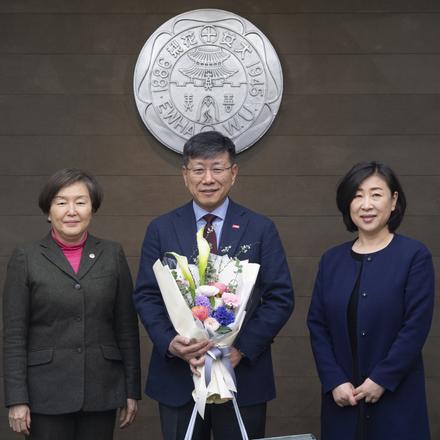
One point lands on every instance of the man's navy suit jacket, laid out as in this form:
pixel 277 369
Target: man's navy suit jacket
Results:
pixel 169 378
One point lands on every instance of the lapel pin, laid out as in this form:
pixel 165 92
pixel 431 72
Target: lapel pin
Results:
pixel 234 226
pixel 92 255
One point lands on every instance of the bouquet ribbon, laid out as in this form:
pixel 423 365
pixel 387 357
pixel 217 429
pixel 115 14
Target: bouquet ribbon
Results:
pixel 192 421
pixel 221 354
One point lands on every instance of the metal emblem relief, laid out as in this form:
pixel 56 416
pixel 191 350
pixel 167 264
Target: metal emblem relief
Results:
pixel 208 70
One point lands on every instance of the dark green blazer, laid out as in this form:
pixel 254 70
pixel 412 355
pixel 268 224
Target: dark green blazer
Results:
pixel 71 341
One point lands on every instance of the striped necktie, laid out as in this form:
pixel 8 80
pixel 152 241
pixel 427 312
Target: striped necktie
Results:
pixel 209 232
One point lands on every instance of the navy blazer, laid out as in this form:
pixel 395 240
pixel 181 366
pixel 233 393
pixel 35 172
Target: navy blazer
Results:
pixel 394 317
pixel 169 378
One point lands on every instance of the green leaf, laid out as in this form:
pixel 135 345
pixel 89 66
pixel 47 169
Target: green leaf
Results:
pixel 222 330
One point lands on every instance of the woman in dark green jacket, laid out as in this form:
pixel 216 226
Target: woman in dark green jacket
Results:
pixel 71 343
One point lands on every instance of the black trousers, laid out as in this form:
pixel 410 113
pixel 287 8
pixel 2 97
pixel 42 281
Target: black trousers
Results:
pixel 220 419
pixel 82 425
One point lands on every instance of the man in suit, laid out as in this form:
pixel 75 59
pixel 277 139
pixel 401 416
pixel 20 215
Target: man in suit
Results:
pixel 209 172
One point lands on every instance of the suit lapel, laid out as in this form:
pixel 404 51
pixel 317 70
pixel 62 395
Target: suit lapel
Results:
pixel 55 255
pixel 90 255
pixel 233 229
pixel 184 223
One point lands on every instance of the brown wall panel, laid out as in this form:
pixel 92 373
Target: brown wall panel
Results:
pixel 359 115
pixel 334 155
pixel 352 33
pixel 68 114
pixel 296 327
pixel 291 34
pixel 303 271
pixel 102 155
pixel 76 33
pixel 306 406
pixel 433 384
pixel 299 363
pixel 435 329
pixel 360 74
pixel 245 7
pixel 73 74
pixel 432 356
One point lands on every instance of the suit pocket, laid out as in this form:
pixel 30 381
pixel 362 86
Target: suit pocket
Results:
pixel 111 352
pixel 105 274
pixel 39 357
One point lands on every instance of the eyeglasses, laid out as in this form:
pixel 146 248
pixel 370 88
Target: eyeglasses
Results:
pixel 200 171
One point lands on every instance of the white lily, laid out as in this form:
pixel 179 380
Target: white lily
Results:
pixel 204 251
pixel 184 268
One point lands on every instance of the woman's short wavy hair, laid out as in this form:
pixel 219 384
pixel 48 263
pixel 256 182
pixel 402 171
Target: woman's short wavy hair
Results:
pixel 67 177
pixel 350 183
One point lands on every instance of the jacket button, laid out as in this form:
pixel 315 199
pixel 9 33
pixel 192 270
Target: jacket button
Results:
pixel 364 333
pixel 77 286
pixel 364 294
pixel 369 258
pixel 79 350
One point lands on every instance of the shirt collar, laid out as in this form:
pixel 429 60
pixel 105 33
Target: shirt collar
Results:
pixel 220 211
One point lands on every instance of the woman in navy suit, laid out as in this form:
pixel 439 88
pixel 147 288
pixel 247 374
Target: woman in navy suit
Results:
pixel 370 314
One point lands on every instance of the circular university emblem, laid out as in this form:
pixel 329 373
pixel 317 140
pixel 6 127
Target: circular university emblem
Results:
pixel 208 70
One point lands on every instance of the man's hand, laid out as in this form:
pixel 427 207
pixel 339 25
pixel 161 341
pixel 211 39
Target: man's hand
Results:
pixel 190 350
pixel 343 395
pixel 235 356
pixel 369 390
pixel 127 414
pixel 194 363
pixel 20 419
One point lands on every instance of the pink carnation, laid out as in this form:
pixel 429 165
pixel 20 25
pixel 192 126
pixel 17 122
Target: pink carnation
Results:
pixel 200 312
pixel 220 286
pixel 231 300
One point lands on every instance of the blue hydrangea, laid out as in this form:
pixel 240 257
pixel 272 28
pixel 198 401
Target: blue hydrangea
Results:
pixel 223 316
pixel 201 300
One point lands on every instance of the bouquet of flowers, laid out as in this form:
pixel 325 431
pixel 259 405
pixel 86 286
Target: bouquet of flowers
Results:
pixel 208 300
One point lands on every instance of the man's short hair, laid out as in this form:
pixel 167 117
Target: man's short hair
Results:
pixel 206 145
pixel 350 183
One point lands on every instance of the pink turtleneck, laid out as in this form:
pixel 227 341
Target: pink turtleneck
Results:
pixel 72 252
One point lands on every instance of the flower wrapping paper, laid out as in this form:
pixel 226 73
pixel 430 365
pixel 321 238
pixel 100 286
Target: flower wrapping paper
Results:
pixel 221 386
